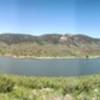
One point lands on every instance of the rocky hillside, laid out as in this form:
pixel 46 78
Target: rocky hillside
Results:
pixel 49 44
pixel 77 40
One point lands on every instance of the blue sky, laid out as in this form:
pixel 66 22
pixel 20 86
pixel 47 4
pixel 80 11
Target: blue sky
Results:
pixel 50 16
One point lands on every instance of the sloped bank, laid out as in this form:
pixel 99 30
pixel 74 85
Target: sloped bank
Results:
pixel 51 88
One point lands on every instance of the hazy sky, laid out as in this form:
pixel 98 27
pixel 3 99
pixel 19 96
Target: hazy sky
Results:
pixel 50 16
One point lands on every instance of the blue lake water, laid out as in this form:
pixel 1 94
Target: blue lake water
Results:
pixel 49 67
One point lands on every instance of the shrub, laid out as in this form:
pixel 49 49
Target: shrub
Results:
pixel 6 84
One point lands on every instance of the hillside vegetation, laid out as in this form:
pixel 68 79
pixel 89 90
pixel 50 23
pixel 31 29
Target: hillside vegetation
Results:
pixel 51 45
pixel 49 88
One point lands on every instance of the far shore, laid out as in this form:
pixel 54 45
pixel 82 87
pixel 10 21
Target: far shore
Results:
pixel 50 57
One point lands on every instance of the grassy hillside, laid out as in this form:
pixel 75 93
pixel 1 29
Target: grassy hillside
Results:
pixel 49 88
pixel 52 45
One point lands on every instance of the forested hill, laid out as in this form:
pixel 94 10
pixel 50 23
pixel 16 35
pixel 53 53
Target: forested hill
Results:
pixel 16 38
pixel 48 44
pixel 49 39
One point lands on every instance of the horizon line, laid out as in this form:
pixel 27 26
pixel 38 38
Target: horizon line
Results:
pixel 50 33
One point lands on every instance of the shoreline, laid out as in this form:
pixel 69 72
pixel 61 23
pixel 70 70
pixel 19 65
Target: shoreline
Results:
pixel 50 57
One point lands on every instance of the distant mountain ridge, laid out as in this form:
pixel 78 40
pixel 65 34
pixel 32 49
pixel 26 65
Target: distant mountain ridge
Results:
pixel 49 39
pixel 48 45
pixel 15 38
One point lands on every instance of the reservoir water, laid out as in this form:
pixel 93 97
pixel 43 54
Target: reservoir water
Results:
pixel 49 67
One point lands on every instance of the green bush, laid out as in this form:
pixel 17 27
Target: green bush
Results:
pixel 6 84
